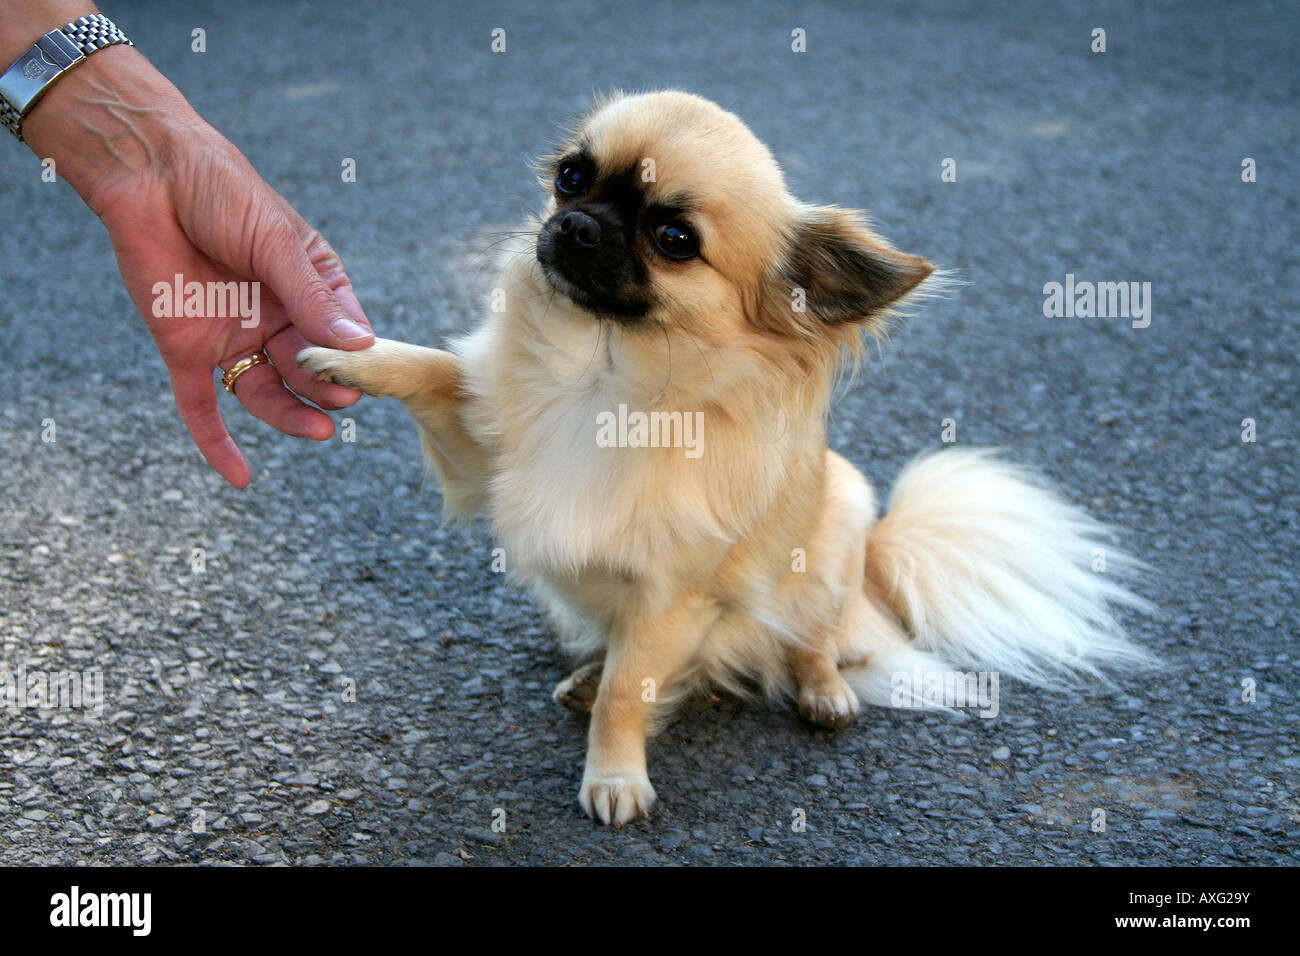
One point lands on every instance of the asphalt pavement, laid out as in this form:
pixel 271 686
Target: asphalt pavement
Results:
pixel 336 678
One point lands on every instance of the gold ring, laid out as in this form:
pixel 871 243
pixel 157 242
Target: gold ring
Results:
pixel 240 367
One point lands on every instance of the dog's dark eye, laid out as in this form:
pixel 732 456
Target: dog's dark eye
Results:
pixel 676 241
pixel 573 179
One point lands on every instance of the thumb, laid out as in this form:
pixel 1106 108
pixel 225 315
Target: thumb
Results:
pixel 307 276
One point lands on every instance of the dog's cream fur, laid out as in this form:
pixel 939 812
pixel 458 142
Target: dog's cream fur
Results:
pixel 761 562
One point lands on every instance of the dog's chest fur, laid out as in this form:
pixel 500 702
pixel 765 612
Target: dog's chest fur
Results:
pixel 603 525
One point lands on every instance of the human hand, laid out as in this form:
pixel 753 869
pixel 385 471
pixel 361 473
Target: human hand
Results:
pixel 178 198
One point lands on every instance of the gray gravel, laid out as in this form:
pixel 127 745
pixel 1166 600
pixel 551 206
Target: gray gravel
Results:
pixel 224 707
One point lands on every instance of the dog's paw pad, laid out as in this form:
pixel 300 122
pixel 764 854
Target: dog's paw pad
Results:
pixel 616 798
pixel 831 704
pixel 577 692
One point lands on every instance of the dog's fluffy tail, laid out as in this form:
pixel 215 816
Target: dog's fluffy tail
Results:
pixel 988 567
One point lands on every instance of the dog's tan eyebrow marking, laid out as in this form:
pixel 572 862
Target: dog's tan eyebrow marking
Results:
pixel 574 156
pixel 675 204
pixel 582 149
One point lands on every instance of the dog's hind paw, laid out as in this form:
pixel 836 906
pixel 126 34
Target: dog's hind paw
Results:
pixel 830 703
pixel 577 692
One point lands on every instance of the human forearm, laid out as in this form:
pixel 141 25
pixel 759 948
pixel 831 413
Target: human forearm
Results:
pixel 106 119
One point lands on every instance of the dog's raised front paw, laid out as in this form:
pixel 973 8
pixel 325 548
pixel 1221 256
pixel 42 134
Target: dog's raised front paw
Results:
pixel 322 361
pixel 577 692
pixel 616 797
pixel 829 703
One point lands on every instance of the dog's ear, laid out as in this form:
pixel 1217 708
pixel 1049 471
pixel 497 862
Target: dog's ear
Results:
pixel 846 272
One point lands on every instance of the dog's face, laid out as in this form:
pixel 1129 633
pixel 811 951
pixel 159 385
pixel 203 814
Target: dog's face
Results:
pixel 667 213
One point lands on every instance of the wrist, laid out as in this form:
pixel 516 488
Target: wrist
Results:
pixel 25 20
pixel 111 119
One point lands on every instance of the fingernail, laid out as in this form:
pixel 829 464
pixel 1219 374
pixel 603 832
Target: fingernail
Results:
pixel 345 329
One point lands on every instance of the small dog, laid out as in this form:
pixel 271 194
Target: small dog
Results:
pixel 644 426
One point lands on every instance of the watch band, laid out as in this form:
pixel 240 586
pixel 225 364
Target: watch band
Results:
pixel 53 55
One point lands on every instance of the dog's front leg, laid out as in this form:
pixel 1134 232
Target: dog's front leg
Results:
pixel 388 369
pixel 643 657
pixel 430 383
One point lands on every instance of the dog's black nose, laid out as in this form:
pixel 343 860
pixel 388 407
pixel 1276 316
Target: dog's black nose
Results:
pixel 580 228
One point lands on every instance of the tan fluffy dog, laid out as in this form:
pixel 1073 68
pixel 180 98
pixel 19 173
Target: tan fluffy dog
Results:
pixel 644 425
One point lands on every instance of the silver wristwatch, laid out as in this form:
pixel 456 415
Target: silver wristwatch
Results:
pixel 53 55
